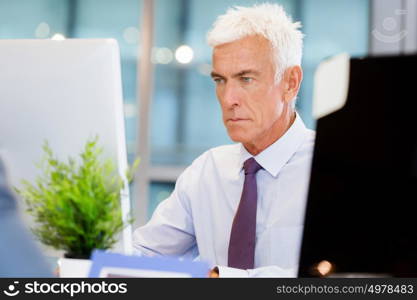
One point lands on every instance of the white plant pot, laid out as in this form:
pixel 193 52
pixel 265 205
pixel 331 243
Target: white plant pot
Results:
pixel 74 268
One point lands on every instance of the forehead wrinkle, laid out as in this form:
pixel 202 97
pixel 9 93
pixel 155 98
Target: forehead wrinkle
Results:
pixel 232 58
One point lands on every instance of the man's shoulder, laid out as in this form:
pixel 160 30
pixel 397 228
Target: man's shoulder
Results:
pixel 216 156
pixel 310 139
pixel 209 162
pixel 218 153
pixel 306 148
pixel 225 151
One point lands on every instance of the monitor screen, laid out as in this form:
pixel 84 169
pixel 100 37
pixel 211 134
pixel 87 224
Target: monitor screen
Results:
pixel 362 202
pixel 65 92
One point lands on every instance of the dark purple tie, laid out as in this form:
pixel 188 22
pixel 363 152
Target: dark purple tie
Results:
pixel 243 233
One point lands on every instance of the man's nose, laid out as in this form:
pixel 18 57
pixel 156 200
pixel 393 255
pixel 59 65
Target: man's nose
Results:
pixel 231 95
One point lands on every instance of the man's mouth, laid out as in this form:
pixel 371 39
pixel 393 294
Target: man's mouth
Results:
pixel 237 119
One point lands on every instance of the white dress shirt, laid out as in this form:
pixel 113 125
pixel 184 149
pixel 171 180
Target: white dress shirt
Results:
pixel 196 219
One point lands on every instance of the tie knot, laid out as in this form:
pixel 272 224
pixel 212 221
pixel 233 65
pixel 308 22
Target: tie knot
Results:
pixel 251 166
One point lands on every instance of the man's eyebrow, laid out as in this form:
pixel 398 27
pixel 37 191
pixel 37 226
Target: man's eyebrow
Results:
pixel 214 74
pixel 241 73
pixel 246 72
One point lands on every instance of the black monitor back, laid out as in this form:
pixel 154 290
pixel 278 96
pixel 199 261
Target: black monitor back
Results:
pixel 361 214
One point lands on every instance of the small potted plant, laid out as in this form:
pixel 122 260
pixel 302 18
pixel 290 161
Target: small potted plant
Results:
pixel 76 204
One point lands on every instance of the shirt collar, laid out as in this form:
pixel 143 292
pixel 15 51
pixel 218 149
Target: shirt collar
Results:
pixel 273 158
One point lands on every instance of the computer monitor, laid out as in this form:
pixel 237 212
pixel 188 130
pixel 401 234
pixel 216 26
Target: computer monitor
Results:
pixel 362 202
pixel 66 92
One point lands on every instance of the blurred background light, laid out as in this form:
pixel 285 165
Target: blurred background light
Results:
pixel 42 30
pixel 131 35
pixel 324 268
pixel 130 109
pixel 184 54
pixel 58 37
pixel 162 56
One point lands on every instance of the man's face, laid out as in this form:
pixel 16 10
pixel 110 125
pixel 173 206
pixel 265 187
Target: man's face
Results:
pixel 251 101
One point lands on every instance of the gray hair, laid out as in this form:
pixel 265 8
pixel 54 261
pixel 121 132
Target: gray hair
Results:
pixel 267 20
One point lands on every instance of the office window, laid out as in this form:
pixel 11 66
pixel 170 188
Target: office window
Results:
pixel 33 19
pixel 330 27
pixel 118 20
pixel 159 191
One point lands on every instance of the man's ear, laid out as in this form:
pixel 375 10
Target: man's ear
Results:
pixel 293 77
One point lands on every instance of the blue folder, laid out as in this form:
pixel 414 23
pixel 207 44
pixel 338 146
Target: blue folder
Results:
pixel 156 266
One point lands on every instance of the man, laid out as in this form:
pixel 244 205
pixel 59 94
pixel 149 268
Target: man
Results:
pixel 19 257
pixel 241 207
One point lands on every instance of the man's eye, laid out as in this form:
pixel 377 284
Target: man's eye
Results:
pixel 247 79
pixel 218 80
